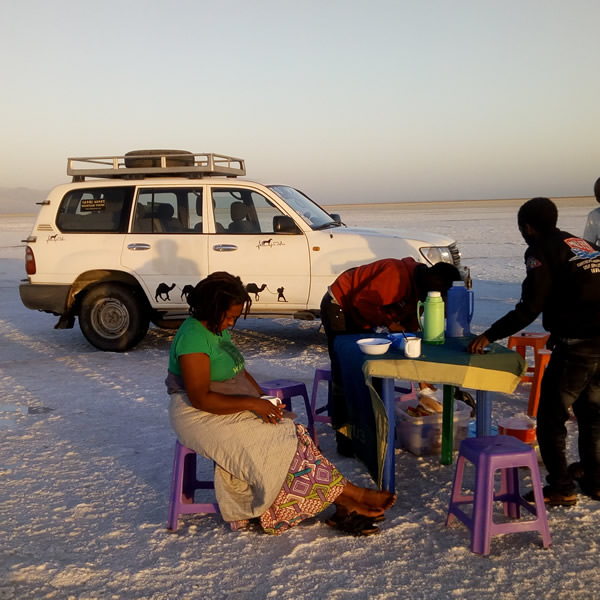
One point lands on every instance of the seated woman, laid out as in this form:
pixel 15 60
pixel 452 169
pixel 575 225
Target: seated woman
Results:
pixel 266 466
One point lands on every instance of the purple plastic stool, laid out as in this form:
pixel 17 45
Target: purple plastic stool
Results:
pixel 411 393
pixel 489 454
pixel 322 374
pixel 285 390
pixel 183 485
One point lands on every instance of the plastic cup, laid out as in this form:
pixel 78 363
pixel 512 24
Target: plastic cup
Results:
pixel 412 347
pixel 274 400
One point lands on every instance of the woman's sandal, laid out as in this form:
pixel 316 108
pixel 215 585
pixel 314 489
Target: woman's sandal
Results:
pixel 354 523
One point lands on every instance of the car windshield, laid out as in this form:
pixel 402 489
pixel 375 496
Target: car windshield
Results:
pixel 312 214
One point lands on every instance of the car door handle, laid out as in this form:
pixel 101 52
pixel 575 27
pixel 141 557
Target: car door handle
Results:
pixel 138 246
pixel 225 247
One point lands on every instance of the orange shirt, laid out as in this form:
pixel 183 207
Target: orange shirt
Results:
pixel 380 293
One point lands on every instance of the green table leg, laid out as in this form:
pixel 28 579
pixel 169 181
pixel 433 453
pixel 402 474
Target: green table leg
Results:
pixel 447 425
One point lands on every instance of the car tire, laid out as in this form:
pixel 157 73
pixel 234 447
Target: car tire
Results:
pixel 113 318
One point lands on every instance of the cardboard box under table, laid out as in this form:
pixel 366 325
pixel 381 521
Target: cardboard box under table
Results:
pixel 368 383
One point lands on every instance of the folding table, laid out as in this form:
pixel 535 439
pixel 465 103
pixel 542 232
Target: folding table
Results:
pixel 369 392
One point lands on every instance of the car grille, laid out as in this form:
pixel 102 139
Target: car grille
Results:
pixel 455 254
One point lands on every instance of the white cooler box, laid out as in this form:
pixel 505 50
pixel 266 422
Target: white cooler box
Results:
pixel 423 435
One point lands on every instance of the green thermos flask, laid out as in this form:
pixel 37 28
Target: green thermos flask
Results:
pixel 432 323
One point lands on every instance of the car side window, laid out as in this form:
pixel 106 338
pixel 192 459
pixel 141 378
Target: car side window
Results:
pixel 168 210
pixel 241 211
pixel 101 210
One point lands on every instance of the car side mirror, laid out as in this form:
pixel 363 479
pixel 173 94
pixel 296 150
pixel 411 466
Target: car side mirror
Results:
pixel 337 218
pixel 285 224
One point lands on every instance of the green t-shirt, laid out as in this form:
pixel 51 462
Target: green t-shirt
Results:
pixel 192 337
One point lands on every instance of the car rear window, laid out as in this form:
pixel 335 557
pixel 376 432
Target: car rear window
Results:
pixel 102 209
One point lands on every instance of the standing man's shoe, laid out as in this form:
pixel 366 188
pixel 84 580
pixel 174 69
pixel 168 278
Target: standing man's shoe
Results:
pixel 554 498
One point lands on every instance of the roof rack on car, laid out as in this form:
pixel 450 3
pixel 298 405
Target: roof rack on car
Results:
pixel 155 163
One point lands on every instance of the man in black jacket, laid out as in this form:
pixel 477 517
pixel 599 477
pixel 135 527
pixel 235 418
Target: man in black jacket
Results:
pixel 562 283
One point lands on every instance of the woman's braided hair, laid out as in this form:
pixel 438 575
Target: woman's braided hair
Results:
pixel 214 296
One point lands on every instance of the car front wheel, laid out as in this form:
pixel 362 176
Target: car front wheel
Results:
pixel 112 318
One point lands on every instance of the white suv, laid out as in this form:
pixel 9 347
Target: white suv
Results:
pixel 123 244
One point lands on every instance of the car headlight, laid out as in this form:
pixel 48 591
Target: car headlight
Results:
pixel 435 254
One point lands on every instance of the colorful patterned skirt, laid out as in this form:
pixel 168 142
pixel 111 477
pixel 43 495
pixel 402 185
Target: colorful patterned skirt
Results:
pixel 311 485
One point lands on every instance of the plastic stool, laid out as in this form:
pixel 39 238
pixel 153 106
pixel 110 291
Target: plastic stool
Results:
pixel 411 393
pixel 321 374
pixel 489 454
pixel 521 341
pixel 324 374
pixel 285 390
pixel 183 485
pixel 542 360
pixel 541 356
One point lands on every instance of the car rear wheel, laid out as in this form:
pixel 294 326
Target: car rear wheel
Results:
pixel 113 318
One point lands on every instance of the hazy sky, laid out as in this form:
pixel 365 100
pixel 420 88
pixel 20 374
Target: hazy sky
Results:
pixel 348 100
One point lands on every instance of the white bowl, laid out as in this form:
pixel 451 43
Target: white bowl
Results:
pixel 374 345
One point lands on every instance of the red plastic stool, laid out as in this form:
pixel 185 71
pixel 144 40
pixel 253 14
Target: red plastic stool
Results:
pixel 542 360
pixel 285 390
pixel 183 486
pixel 489 454
pixel 528 339
pixel 541 356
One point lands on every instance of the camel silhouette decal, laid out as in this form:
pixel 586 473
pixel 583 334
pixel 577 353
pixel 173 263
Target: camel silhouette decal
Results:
pixel 163 290
pixel 186 291
pixel 252 288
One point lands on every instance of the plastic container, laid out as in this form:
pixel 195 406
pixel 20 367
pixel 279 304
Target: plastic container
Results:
pixel 459 310
pixel 472 432
pixel 408 343
pixel 519 426
pixel 422 436
pixel 398 339
pixel 432 323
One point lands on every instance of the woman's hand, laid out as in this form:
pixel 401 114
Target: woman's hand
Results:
pixel 268 411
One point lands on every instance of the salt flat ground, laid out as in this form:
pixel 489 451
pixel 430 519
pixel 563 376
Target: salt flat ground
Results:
pixel 86 451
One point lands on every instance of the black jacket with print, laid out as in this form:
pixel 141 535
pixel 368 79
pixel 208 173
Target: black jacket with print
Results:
pixel 562 283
